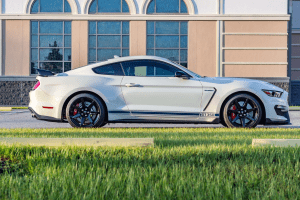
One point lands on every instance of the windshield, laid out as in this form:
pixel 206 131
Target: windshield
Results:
pixel 186 69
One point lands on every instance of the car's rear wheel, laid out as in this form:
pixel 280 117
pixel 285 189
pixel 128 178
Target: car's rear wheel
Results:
pixel 242 110
pixel 85 111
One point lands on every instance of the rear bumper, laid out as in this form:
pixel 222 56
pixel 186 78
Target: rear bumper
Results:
pixel 41 117
pixel 44 105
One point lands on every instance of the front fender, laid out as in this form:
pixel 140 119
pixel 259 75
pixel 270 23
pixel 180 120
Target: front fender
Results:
pixel 221 96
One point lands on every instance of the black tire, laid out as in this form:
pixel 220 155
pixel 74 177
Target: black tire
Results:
pixel 223 123
pixel 85 111
pixel 242 111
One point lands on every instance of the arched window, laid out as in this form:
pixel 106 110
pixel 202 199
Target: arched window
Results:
pixel 108 6
pixel 50 6
pixel 170 6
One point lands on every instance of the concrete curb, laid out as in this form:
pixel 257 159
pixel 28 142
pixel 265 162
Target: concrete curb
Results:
pixel 95 142
pixel 5 108
pixel 13 112
pixel 276 142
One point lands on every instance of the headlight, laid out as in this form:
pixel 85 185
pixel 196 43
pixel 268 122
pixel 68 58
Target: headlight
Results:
pixel 273 93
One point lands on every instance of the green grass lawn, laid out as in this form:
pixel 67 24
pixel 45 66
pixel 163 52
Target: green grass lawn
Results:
pixel 185 163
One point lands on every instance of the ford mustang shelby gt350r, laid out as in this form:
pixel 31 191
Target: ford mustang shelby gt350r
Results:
pixel 149 89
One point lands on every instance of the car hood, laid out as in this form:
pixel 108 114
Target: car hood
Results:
pixel 226 80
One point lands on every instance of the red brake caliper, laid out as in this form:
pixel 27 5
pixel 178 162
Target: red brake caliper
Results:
pixel 233 115
pixel 75 110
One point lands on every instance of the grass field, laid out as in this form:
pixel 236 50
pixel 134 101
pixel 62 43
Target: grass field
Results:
pixel 184 164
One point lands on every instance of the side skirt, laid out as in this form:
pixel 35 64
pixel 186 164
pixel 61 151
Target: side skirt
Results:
pixel 215 121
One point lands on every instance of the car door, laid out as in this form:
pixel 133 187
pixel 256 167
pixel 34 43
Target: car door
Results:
pixel 150 89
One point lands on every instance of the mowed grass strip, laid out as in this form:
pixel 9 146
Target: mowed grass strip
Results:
pixel 18 108
pixel 184 164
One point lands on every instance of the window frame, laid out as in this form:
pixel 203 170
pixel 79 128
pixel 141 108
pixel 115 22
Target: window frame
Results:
pixel 39 8
pixel 121 67
pixel 179 35
pixel 157 61
pixel 96 35
pixel 38 47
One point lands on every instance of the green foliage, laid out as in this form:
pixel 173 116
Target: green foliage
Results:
pixel 194 163
pixel 17 108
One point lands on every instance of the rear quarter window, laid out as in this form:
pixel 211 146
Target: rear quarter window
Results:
pixel 111 69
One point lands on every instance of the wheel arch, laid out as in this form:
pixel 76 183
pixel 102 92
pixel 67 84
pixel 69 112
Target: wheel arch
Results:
pixel 263 119
pixel 63 113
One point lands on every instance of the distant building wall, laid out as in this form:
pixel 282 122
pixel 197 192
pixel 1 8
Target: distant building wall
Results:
pixel 232 38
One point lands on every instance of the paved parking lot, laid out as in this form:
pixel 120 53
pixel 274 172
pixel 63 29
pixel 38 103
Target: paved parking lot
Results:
pixel 23 119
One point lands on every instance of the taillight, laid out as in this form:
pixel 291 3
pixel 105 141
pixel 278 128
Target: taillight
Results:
pixel 37 85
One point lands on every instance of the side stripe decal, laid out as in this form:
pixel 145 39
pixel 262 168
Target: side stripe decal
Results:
pixel 203 114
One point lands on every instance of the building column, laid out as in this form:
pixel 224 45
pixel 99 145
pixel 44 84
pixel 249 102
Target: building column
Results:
pixel 202 52
pixel 79 44
pixel 138 38
pixel 1 49
pixel 17 47
pixel 1 40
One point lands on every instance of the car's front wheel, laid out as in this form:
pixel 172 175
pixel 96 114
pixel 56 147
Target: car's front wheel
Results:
pixel 242 110
pixel 85 111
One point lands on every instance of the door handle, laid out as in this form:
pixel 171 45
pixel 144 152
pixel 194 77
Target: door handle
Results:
pixel 132 85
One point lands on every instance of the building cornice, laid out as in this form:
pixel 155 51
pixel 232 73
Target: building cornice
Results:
pixel 143 17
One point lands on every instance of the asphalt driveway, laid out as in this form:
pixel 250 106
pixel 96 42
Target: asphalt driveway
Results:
pixel 23 119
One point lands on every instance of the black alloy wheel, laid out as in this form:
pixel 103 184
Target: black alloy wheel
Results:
pixel 242 110
pixel 85 111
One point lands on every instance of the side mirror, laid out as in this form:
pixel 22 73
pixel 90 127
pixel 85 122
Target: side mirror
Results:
pixel 182 75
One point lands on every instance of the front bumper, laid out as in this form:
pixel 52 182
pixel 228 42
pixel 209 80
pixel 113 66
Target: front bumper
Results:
pixel 279 122
pixel 276 110
pixel 282 112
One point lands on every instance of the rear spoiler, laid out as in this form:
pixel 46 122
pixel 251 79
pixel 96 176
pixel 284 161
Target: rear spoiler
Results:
pixel 44 73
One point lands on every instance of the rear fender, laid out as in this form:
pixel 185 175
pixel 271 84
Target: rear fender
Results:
pixel 78 90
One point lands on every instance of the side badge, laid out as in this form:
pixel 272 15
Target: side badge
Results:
pixel 208 114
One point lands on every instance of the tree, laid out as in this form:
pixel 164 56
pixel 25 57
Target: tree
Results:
pixel 54 55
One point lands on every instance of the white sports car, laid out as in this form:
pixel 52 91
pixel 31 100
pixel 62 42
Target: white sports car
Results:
pixel 149 89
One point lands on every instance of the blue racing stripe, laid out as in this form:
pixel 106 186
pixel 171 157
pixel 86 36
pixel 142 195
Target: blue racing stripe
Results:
pixel 157 113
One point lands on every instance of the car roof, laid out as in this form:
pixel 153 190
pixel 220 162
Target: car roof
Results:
pixel 87 68
pixel 128 58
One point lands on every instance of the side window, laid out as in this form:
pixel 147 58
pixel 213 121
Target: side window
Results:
pixel 112 69
pixel 149 68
